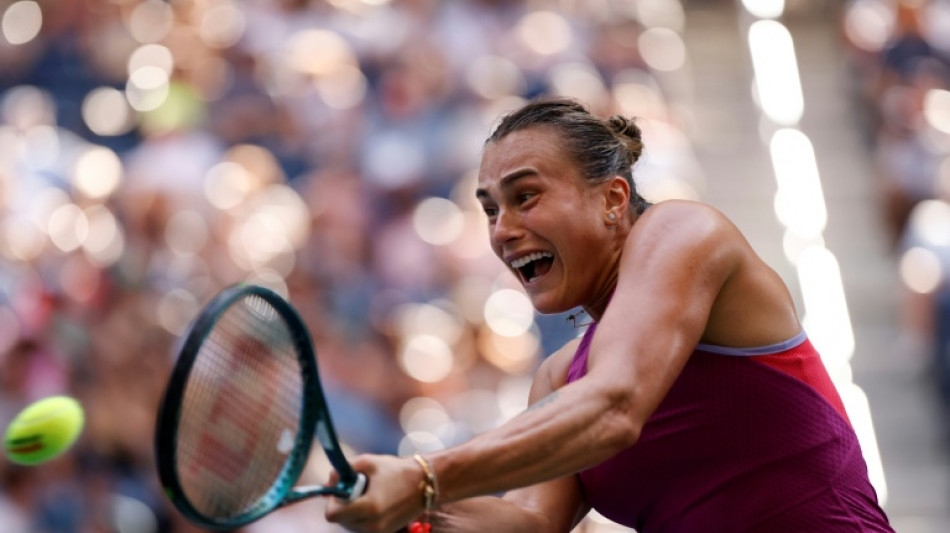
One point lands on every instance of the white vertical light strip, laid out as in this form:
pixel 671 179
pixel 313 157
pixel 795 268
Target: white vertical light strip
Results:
pixel 800 207
pixel 764 9
pixel 799 201
pixel 777 83
pixel 826 312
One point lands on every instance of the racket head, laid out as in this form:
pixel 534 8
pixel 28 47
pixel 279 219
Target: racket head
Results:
pixel 240 410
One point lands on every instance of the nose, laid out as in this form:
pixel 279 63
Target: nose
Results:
pixel 506 228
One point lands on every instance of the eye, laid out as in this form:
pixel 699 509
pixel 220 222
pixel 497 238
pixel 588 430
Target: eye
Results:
pixel 525 196
pixel 490 211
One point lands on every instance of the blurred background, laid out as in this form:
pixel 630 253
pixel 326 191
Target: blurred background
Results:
pixel 153 152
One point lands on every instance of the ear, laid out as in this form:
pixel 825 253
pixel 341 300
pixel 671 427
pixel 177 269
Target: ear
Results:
pixel 616 199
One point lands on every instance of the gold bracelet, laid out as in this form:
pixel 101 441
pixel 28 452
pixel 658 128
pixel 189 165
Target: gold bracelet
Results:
pixel 430 485
pixel 430 494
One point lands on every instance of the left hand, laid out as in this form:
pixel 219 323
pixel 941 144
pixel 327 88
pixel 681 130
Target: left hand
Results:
pixel 392 498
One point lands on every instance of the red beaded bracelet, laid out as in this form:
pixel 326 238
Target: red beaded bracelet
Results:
pixel 420 527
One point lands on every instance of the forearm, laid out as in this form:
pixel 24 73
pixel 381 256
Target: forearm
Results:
pixel 488 513
pixel 571 429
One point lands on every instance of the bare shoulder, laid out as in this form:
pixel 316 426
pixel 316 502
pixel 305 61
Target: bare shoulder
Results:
pixel 686 217
pixel 678 229
pixel 750 304
pixel 552 373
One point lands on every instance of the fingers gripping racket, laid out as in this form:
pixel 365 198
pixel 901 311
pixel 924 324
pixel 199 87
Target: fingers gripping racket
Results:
pixel 240 411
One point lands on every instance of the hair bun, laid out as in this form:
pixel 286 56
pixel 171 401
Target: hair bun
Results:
pixel 623 126
pixel 628 132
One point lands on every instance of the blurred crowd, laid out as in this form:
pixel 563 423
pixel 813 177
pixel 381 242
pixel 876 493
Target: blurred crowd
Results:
pixel 899 53
pixel 152 153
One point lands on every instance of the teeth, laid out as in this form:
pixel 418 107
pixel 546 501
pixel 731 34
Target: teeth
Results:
pixel 522 261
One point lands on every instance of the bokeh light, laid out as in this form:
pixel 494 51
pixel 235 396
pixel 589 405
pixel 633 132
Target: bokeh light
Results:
pixel 343 88
pixel 68 227
pixel 491 77
pixel 147 88
pixel 545 32
pixel 577 80
pixel 26 107
pixel 778 87
pixel 21 22
pixel 106 240
pixel 512 354
pixel 937 109
pixel 152 55
pixel 131 515
pixel 921 270
pixel 868 24
pixel 176 309
pixel 827 319
pixel 22 239
pixel 318 53
pixel 930 222
pixel 426 358
pixel 422 413
pixel 509 312
pixel 793 244
pixel 227 184
pixel 662 49
pixel 766 9
pixel 98 172
pixel 106 111
pixel 799 201
pixel 438 221
pixel 414 319
pixel 419 442
pixel 667 14
pixel 150 21
pixel 637 95
pixel 222 24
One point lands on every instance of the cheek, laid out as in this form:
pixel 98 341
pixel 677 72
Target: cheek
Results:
pixel 580 248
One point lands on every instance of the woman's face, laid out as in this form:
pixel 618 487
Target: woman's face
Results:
pixel 546 223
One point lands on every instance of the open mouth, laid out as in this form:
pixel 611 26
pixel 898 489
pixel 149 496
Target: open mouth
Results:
pixel 533 266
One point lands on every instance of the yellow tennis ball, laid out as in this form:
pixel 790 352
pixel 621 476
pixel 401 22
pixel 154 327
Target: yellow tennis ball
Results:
pixel 43 430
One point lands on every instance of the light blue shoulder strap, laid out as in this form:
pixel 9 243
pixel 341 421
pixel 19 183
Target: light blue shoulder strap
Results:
pixel 757 350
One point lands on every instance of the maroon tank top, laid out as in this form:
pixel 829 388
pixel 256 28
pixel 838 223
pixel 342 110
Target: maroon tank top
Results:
pixel 746 440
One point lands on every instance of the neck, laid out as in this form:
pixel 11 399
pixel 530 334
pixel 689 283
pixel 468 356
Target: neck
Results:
pixel 596 307
pixel 606 286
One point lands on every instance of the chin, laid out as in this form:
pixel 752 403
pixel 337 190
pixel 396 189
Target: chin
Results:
pixel 547 307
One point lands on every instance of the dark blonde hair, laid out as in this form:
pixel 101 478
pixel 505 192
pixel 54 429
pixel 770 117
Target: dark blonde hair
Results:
pixel 601 148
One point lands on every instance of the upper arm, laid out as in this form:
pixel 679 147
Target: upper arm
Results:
pixel 558 501
pixel 674 264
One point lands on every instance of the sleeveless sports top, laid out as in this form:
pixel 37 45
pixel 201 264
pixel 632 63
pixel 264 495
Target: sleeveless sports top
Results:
pixel 745 441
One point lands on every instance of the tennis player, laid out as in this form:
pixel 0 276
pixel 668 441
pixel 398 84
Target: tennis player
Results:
pixel 694 401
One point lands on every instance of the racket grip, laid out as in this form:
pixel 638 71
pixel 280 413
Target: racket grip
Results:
pixel 359 486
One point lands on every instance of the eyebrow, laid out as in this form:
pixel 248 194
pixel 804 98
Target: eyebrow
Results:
pixel 507 180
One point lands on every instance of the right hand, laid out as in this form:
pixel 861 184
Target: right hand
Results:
pixel 392 499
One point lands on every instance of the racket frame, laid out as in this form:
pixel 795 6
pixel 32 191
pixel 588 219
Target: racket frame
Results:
pixel 314 419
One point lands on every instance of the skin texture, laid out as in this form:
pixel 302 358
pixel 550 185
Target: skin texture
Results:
pixel 679 274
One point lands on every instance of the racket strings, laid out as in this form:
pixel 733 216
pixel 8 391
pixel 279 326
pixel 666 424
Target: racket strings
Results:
pixel 241 410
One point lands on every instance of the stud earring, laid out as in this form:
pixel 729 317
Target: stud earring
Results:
pixel 611 217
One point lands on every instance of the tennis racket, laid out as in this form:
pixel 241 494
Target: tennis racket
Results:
pixel 240 411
